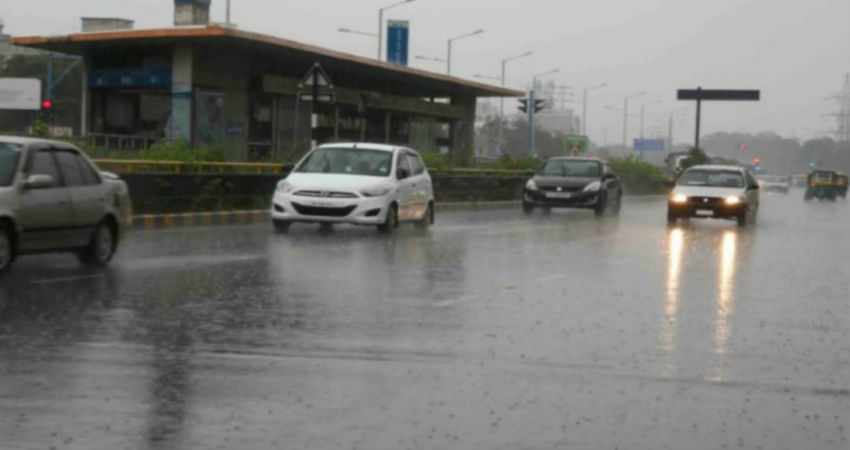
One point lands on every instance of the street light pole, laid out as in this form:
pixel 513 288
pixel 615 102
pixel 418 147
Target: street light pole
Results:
pixel 642 113
pixel 227 15
pixel 584 106
pixel 449 50
pixel 626 116
pixel 381 22
pixel 502 99
pixel 531 109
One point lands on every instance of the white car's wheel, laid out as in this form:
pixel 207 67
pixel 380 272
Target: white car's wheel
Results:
pixel 391 220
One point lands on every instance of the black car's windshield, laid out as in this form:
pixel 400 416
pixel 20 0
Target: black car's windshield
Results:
pixel 9 155
pixel 348 161
pixel 571 168
pixel 712 178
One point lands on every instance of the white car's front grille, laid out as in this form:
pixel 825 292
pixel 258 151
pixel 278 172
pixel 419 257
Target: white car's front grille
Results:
pixel 324 194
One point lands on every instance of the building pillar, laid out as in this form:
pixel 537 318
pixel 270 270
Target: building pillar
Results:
pixel 462 131
pixel 84 101
pixel 388 118
pixel 181 93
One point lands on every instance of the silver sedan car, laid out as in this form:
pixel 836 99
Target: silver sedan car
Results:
pixel 54 199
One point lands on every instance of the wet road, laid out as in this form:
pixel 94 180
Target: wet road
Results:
pixel 491 330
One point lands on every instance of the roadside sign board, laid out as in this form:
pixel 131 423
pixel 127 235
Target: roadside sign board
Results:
pixel 316 78
pixel 576 144
pixel 719 94
pixel 398 41
pixel 320 98
pixel 649 145
pixel 20 94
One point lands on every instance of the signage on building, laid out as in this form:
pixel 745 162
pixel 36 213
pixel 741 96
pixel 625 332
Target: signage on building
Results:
pixel 20 94
pixel 141 77
pixel 398 41
pixel 649 145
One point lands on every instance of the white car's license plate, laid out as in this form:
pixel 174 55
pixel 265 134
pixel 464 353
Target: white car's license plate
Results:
pixel 558 195
pixel 705 212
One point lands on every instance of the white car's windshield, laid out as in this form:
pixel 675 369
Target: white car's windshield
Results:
pixel 347 161
pixel 9 155
pixel 712 178
pixel 571 168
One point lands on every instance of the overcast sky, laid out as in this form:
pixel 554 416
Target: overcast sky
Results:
pixel 795 51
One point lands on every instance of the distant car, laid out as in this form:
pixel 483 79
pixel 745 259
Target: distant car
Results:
pixel 54 199
pixel 823 185
pixel 774 183
pixel 573 182
pixel 361 184
pixel 720 192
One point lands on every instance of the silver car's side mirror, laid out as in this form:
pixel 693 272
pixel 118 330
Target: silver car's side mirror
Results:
pixel 39 181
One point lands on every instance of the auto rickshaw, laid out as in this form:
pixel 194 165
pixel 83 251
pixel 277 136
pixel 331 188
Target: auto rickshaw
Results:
pixel 822 184
pixel 841 185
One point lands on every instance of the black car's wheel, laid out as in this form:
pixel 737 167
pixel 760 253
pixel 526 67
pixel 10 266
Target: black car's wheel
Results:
pixel 101 247
pixel 601 204
pixel 527 208
pixel 618 202
pixel 391 221
pixel 6 250
pixel 547 210
pixel 281 226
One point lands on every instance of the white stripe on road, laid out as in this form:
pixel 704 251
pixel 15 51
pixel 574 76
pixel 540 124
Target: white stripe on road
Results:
pixel 66 279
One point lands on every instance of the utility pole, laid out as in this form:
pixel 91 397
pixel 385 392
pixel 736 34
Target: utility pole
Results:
pixel 227 15
pixel 502 99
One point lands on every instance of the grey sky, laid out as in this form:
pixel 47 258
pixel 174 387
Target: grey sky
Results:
pixel 796 51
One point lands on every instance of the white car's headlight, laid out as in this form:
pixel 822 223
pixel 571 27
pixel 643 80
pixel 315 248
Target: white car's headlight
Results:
pixel 679 198
pixel 285 187
pixel 376 191
pixel 733 200
pixel 531 185
pixel 593 186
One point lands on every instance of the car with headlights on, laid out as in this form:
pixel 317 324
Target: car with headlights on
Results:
pixel 714 191
pixel 54 199
pixel 356 183
pixel 573 182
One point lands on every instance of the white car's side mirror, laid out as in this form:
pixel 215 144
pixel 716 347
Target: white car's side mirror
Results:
pixel 39 181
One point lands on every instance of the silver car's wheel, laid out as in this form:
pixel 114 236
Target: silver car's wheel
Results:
pixel 5 250
pixel 100 248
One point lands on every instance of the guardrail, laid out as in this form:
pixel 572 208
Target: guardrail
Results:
pixel 147 166
pixel 142 166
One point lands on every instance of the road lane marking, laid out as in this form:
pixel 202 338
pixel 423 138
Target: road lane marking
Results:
pixel 66 279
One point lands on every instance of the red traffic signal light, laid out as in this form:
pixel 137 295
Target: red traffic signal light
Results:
pixel 46 104
pixel 756 161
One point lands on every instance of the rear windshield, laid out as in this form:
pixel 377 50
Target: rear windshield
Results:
pixel 712 178
pixel 347 161
pixel 9 156
pixel 571 168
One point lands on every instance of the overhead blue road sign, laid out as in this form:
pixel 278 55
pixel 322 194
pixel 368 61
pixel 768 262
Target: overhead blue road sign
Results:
pixel 649 145
pixel 398 40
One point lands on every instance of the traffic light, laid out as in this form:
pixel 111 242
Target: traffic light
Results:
pixel 539 105
pixel 756 161
pixel 46 105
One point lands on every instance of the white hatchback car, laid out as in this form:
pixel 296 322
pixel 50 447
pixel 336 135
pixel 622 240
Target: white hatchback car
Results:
pixel 361 184
pixel 714 191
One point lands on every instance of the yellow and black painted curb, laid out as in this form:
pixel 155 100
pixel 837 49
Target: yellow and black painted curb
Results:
pixel 158 221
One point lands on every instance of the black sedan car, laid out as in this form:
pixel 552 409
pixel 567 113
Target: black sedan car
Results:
pixel 573 182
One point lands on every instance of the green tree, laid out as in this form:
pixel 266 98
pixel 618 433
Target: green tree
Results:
pixel 696 156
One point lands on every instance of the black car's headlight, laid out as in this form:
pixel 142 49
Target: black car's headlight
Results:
pixel 531 185
pixel 594 186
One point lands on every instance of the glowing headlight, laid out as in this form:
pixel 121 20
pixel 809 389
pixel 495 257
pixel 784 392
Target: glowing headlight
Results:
pixel 593 186
pixel 531 185
pixel 679 198
pixel 285 187
pixel 733 200
pixel 376 191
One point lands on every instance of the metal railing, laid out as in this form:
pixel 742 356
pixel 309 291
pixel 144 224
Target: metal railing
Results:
pixel 142 166
pixel 121 141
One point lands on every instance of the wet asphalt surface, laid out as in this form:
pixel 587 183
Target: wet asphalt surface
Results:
pixel 491 330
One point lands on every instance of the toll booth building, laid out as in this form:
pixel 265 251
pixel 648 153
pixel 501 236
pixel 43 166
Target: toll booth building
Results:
pixel 244 92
